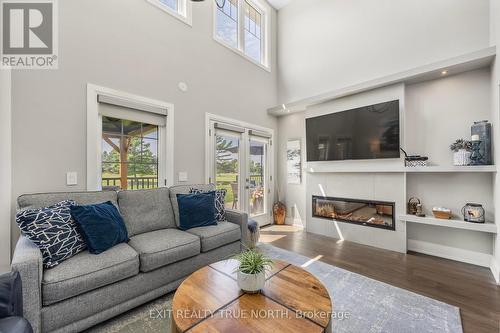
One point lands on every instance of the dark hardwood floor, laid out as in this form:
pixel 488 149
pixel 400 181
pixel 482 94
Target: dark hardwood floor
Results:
pixel 469 287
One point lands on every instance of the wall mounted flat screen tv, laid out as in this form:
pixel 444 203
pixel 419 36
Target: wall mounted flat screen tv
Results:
pixel 368 132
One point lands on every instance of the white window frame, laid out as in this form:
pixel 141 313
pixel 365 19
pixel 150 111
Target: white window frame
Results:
pixel 184 11
pixel 265 11
pixel 94 135
pixel 210 119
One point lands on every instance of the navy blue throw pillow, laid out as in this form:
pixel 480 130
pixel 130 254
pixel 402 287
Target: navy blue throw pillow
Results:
pixel 101 225
pixel 220 206
pixel 196 210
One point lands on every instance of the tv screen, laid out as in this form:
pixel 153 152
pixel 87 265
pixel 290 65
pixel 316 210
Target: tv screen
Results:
pixel 369 132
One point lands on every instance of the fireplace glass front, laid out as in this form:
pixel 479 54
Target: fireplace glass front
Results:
pixel 377 214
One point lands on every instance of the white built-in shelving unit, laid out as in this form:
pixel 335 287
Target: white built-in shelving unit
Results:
pixel 320 167
pixel 488 227
pixel 433 116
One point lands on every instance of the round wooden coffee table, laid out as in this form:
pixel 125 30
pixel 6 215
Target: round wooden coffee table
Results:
pixel 292 300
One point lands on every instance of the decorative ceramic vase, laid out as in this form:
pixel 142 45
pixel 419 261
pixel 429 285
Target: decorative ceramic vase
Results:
pixel 279 212
pixel 483 130
pixel 461 157
pixel 251 283
pixel 476 158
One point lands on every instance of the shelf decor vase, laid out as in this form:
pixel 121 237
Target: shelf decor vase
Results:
pixel 279 213
pixel 461 157
pixel 476 158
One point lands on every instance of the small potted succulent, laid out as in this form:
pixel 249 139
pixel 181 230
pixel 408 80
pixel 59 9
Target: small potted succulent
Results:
pixel 461 152
pixel 252 270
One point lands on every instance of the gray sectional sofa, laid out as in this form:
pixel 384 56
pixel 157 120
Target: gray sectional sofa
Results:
pixel 87 289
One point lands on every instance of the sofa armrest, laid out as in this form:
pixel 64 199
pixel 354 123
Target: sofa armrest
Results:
pixel 240 218
pixel 27 260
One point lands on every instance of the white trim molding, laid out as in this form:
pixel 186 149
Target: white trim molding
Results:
pixel 94 134
pixel 452 253
pixel 5 169
pixel 243 129
pixel 495 270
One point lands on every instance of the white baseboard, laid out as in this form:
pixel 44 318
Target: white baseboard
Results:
pixel 453 253
pixel 294 222
pixel 495 270
pixel 4 269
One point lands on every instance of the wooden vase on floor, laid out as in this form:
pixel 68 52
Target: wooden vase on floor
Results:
pixel 279 213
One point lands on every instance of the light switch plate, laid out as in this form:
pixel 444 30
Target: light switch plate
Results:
pixel 71 178
pixel 183 176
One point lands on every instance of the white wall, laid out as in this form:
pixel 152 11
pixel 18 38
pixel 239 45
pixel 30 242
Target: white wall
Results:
pixel 290 128
pixel 5 169
pixel 132 46
pixel 327 44
pixel 440 111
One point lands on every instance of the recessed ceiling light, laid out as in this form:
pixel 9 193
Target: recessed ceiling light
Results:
pixel 444 72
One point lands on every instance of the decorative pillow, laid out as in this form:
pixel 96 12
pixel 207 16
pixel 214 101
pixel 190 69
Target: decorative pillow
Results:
pixel 101 226
pixel 220 207
pixel 196 210
pixel 53 231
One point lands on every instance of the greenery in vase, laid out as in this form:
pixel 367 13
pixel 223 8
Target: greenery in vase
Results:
pixel 253 262
pixel 461 144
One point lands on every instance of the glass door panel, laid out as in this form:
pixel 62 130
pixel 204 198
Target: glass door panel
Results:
pixel 227 166
pixel 257 193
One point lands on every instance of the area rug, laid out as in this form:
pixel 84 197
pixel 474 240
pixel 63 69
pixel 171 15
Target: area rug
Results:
pixel 360 305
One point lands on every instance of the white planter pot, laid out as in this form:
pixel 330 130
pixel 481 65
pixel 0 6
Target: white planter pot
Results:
pixel 461 157
pixel 251 283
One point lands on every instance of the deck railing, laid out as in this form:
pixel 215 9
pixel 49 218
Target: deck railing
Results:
pixel 133 183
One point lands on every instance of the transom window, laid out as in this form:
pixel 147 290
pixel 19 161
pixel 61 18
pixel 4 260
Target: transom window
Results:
pixel 241 25
pixel 180 9
pixel 129 154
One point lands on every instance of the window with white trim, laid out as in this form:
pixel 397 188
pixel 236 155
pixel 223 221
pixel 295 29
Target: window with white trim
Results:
pixel 180 9
pixel 129 140
pixel 242 25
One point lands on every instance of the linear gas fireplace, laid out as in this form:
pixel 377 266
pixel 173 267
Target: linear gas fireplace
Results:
pixel 377 214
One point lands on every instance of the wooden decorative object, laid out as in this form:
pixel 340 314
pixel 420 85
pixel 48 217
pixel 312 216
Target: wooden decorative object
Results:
pixel 213 294
pixel 279 213
pixel 442 214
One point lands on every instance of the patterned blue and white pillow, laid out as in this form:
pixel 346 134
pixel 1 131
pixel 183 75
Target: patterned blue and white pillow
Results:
pixel 220 208
pixel 53 231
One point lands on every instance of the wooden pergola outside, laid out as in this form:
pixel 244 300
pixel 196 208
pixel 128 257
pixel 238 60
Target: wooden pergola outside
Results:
pixel 122 148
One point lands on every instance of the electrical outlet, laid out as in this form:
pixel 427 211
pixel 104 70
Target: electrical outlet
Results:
pixel 71 178
pixel 183 176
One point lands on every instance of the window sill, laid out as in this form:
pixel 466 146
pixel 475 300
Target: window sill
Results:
pixel 267 68
pixel 184 19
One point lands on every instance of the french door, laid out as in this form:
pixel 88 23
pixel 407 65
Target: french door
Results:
pixel 239 162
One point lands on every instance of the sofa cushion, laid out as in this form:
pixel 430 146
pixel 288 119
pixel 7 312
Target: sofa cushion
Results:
pixel 216 236
pixel 220 204
pixel 38 200
pixel 185 189
pixel 162 247
pixel 146 210
pixel 85 272
pixel 53 231
pixel 196 210
pixel 101 226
